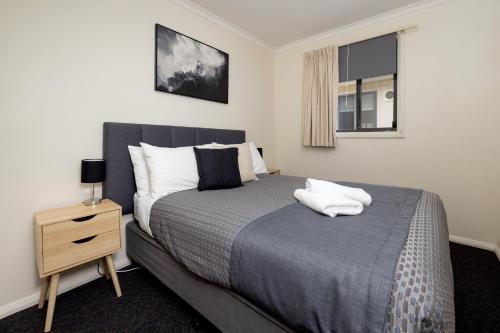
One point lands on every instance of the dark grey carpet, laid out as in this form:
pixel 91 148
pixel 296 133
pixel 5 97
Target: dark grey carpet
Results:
pixel 476 275
pixel 148 306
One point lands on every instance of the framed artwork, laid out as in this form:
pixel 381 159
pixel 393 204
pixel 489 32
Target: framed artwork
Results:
pixel 189 67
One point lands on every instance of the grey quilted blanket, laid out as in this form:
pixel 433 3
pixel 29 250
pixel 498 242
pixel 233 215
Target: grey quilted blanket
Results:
pixel 200 229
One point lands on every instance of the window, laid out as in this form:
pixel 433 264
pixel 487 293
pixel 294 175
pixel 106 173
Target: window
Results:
pixel 367 92
pixel 347 115
pixel 347 112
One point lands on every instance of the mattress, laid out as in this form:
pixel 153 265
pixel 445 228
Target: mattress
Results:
pixel 421 288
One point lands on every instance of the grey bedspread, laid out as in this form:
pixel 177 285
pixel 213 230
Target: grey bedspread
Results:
pixel 209 231
pixel 198 228
pixel 324 274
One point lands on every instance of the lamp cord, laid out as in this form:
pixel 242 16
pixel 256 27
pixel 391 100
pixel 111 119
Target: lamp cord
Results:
pixel 118 270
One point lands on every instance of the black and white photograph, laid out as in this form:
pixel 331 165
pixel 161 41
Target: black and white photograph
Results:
pixel 189 67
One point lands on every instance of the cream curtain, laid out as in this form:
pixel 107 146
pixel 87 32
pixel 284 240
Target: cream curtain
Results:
pixel 319 97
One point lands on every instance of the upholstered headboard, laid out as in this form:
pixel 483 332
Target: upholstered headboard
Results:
pixel 120 183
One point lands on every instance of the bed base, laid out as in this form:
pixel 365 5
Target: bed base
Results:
pixel 225 309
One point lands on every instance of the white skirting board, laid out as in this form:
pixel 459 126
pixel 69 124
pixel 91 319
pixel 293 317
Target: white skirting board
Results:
pixel 476 243
pixel 32 299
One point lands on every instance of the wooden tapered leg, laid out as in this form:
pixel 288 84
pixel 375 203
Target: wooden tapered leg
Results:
pixel 54 283
pixel 105 268
pixel 43 292
pixel 114 277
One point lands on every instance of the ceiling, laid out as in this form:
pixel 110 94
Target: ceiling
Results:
pixel 279 22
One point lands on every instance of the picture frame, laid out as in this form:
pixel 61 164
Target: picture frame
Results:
pixel 185 66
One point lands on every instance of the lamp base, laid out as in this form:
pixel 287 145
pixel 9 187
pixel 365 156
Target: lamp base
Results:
pixel 92 202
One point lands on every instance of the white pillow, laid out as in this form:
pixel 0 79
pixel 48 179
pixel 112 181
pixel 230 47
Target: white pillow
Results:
pixel 140 170
pixel 170 169
pixel 258 163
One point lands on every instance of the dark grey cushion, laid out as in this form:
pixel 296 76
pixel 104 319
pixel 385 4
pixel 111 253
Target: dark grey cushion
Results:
pixel 217 168
pixel 120 183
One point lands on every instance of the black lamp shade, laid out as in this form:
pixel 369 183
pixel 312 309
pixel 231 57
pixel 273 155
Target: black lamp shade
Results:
pixel 93 170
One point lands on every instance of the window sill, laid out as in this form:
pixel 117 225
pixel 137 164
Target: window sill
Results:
pixel 371 135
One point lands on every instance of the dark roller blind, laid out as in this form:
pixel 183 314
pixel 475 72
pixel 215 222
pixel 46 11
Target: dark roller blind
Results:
pixel 369 58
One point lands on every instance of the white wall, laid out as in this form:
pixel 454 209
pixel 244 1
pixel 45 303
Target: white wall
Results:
pixel 68 66
pixel 449 77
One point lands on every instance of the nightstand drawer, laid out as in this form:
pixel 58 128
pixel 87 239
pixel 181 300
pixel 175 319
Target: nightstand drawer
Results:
pixel 62 255
pixel 69 231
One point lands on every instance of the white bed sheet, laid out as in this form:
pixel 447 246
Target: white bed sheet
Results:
pixel 142 210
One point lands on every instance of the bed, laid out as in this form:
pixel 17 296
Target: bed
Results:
pixel 235 256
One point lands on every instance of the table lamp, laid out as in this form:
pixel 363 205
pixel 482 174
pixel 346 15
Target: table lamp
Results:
pixel 93 171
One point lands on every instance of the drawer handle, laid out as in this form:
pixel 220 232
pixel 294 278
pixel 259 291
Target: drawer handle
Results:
pixel 85 218
pixel 84 240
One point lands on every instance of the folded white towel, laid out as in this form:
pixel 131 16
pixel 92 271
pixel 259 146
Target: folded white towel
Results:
pixel 323 186
pixel 328 204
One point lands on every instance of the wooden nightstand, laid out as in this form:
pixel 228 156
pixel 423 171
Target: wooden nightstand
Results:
pixel 71 236
pixel 272 171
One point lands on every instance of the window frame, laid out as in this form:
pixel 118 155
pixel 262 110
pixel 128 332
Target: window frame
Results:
pixel 357 118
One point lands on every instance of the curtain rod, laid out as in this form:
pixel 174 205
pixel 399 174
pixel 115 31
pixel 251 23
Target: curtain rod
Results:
pixel 410 28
